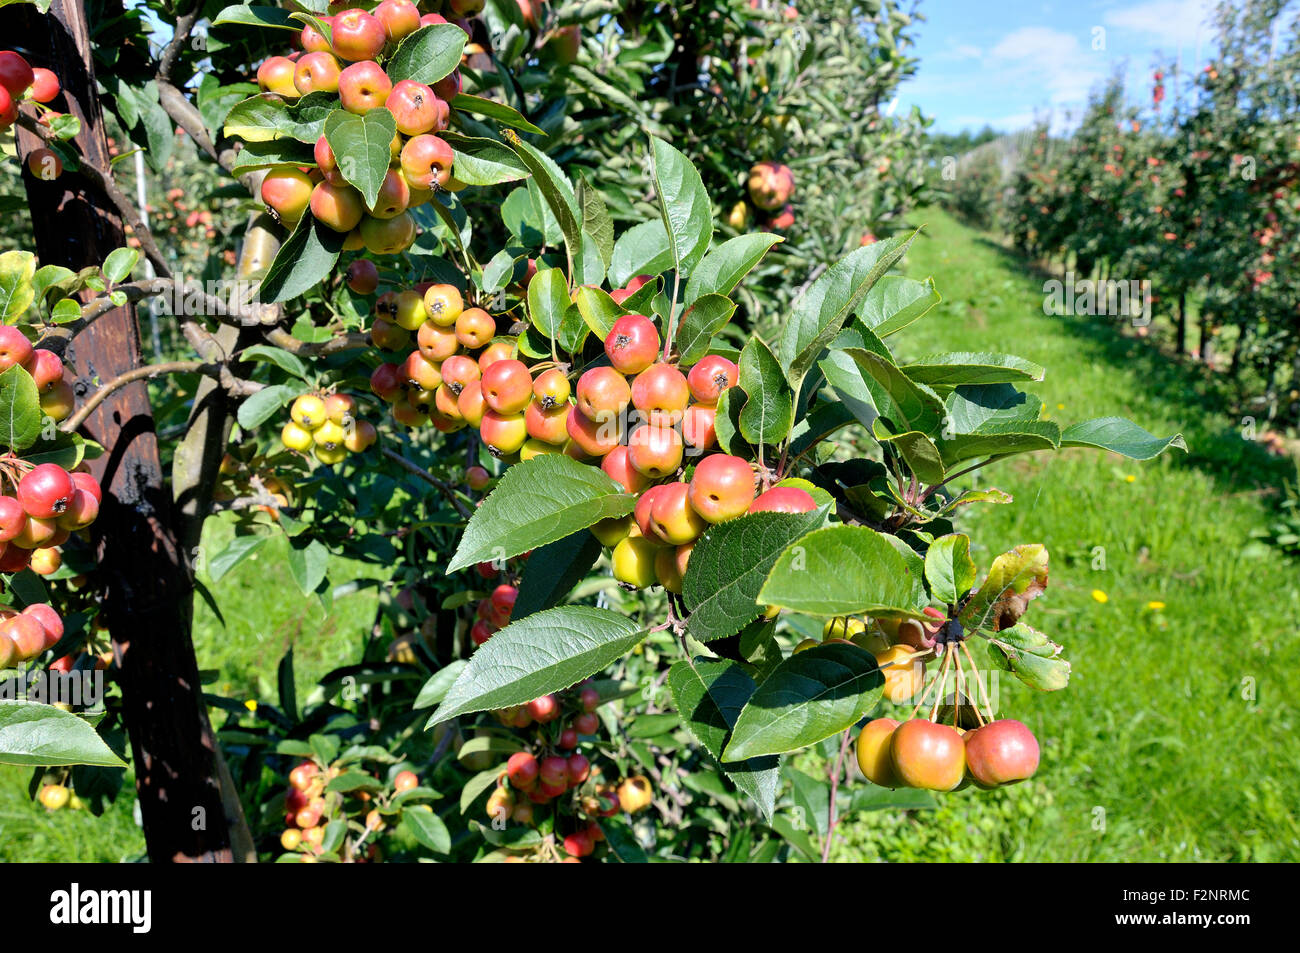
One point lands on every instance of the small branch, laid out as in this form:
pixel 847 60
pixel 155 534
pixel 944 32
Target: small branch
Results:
pixel 415 470
pixel 831 819
pixel 342 342
pixel 236 386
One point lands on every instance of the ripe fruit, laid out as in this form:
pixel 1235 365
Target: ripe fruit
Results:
pixel 500 804
pixel 579 844
pixel 458 371
pixel 405 781
pixel 386 382
pixel 770 185
pixel 27 635
pixel 14 347
pixel 275 75
pixel 309 411
pixel 661 389
pixel 579 766
pixel 312 40
pixel 475 328
pixel 588 723
pixel 12 518
pixel 903 675
pixel 618 466
pixel 722 487
pixel 672 516
pixel 477 478
pixel 16 73
pixel 416 109
pixel 635 794
pixel 287 192
pixel 443 302
pixel 49 620
pixel 550 389
pixel 928 756
pixel 291 838
pixel 316 72
pixel 503 434
pixel 873 749
pixel 427 162
pixel 507 386
pixel 339 207
pixel 58 403
pixel 603 393
pixel 522 769
pixel 363 276
pixel 45 491
pixel 549 426
pixel 393 198
pixel 710 377
pixel 921 635
pixel 471 405
pixel 388 236
pixel 46 369
pixel 86 482
pixel 633 561
pixel 358 35
pixel 437 344
pixel 363 87
pixel 44 164
pixel 783 499
pixel 8 109
pixel 496 351
pixel 594 438
pixel 698 430
pixel 399 17
pixel 654 451
pixel 1001 752
pixel 632 343
pixel 360 436
pixel 54 797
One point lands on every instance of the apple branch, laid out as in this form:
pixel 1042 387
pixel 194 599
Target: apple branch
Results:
pixel 234 385
pixel 441 486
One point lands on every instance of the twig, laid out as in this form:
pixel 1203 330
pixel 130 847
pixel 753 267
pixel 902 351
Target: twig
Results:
pixel 415 470
pixel 237 387
pixel 831 819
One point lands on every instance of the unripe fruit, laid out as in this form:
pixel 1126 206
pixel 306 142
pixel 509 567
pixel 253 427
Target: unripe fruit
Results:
pixel 477 478
pixel 54 797
pixel 536 448
pixel 722 487
pixel 603 393
pixel 503 434
pixel 618 466
pixel 337 207
pixel 928 756
pixel 363 87
pixel 918 634
pixel 14 347
pixel 672 516
pixel 661 389
pixel 635 794
pixel 633 562
pixel 550 389
pixel 275 75
pixel 316 72
pixel 698 430
pixel 287 192
pixel 783 499
pixel 904 676
pixel 475 328
pixel 360 437
pixel 45 491
pixel 309 412
pixel 1001 752
pixel 296 437
pixel 436 343
pixel 363 276
pixel 508 387
pixel 611 531
pixel 340 408
pixel 328 435
pixel 666 571
pixel 500 804
pixel 654 451
pixel 710 377
pixel 291 838
pixel 632 343
pixel 594 438
pixel 388 236
pixel 427 162
pixel 549 426
pixel 874 757
pixel 357 35
pixel 444 304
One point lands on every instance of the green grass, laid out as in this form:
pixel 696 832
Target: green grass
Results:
pixel 1178 726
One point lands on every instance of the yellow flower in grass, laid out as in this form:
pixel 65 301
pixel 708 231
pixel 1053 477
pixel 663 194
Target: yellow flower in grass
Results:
pixel 1155 605
pixel 1060 407
pixel 1130 478
pixel 251 704
pixel 1100 596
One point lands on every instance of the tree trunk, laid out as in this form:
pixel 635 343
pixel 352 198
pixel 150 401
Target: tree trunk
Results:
pixel 144 570
pixel 1180 325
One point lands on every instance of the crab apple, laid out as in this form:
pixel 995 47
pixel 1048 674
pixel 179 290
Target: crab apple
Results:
pixel 722 487
pixel 593 438
pixel 363 87
pixel 287 192
pixel 644 511
pixel 782 220
pixel 549 426
pixel 14 347
pixel 546 709
pixel 655 450
pixel 84 481
pixel 618 466
pixel 739 216
pixel 308 411
pixel 770 185
pixel 44 164
pixel 12 518
pixel 550 389
pixel 579 844
pixel 388 236
pixel 275 75
pixel 328 435
pixel 363 276
pixel 579 766
pixel 443 304
pixel 27 635
pixel 632 343
pixel 46 369
pixel 502 601
pixel 522 770
pixel 471 405
pixel 407 415
pixel 475 328
pixel 928 756
pixel 312 40
pixel 416 109
pixel 393 198
pixel 82 510
pixel 481 631
pixel 1001 752
pixel 427 162
pixel 386 382
pixel 405 781
pixel 399 17
pixel 449 87
pixel 603 393
pixel 633 562
pixel 49 620
pixel 904 676
pixel 291 838
pixel 477 478
pixel 610 531
pixel 46 490
pixel 698 430
pixel 783 499
pixel 339 207
pixel 13 558
pixel 316 72
pixel 446 401
pixel 435 343
pixel 710 377
pixel 458 370
pixel 16 74
pixel 8 109
pixel 674 519
pixel 357 35
pixel 508 387
pixel 494 352
pixel 504 434
pixel 420 373
pixel 874 758
pixel 634 794
pixel 568 739
pixel 918 634
pixel 666 571
pixel 661 389
pixel 360 437
pixel 536 448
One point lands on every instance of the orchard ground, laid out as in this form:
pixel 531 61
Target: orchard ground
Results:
pixel 1175 739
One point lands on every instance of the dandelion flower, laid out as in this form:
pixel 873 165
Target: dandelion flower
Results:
pixel 251 704
pixel 1155 605
pixel 1100 596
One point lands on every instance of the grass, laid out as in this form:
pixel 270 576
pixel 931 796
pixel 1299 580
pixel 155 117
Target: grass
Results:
pixel 1176 737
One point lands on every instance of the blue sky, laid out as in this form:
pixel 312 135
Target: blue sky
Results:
pixel 1003 62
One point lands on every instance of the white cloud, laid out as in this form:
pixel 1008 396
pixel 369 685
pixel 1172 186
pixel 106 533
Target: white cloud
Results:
pixel 1171 22
pixel 1050 62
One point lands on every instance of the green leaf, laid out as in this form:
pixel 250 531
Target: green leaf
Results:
pixel 871 797
pixel 45 736
pixel 1121 436
pixel 428 54
pixel 709 695
pixel 683 204
pixel 119 264
pixel 808 697
pixel 548 300
pixel 844 570
pixel 361 145
pixel 702 320
pixel 16 290
pixel 918 451
pixel 1031 656
pixel 811 797
pixel 290 363
pixel 553 571
pixel 729 565
pixel 424 825
pixel 545 652
pixel 502 113
pixel 264 116
pixel 304 261
pixel 970 407
pixel 240 548
pixel 258 408
pixel 246 15
pixel 484 161
pixel 20 409
pixel 599 311
pixel 948 567
pixel 641 250
pixel 818 316
pixel 268 155
pixel 998 438
pixel 1016 577
pixel 905 404
pixel 596 222
pixel 65 449
pixel 436 688
pixel 727 265
pixel 895 302
pixel 308 563
pixel 726 422
pixel 768 414
pixel 537 502
pixel 967 367
pixel 555 189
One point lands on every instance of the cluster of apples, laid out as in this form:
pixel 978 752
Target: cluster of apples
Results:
pixel 328 426
pixel 900 646
pixel 309 808
pixel 770 186
pixel 49 504
pixel 934 757
pixel 493 613
pixel 45 367
pixel 346 64
pixel 19 82
pixel 25 635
